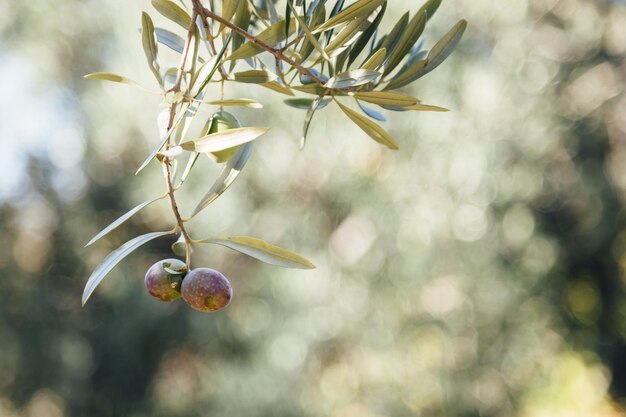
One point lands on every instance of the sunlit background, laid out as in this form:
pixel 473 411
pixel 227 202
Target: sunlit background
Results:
pixel 477 271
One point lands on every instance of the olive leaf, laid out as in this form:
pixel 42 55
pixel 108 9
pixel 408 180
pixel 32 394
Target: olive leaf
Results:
pixel 228 175
pixel 372 129
pixel 114 258
pixel 407 40
pixel 305 103
pixel 148 40
pixel 170 39
pixel 242 19
pixel 430 7
pixel 122 219
pixel 307 32
pixel 368 34
pixel 278 87
pixel 307 120
pixel 442 49
pixel 359 9
pixel 407 75
pixel 375 61
pixel 352 78
pixel 229 7
pixel 386 98
pixel 243 102
pixel 173 12
pixel 193 157
pixel 372 113
pixel 224 140
pixel 426 107
pixel 214 63
pixel 270 36
pixel 255 76
pixel 107 76
pixel 393 37
pixel 261 250
pixel 346 37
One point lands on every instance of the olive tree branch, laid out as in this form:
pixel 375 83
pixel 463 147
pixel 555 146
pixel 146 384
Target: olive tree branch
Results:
pixel 206 13
pixel 166 163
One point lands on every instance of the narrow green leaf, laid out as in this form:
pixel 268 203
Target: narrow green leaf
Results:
pixel 307 32
pixel 318 16
pixel 409 38
pixel 255 76
pixel 372 113
pixel 347 36
pixel 113 259
pixel 271 36
pixel 229 7
pixel 396 33
pixel 352 78
pixel 307 120
pixel 311 89
pixel 279 88
pixel 148 40
pixel 262 251
pixel 360 44
pixel 288 8
pixel 122 219
pixel 372 129
pixel 426 107
pixel 430 7
pixel 374 62
pixel 242 19
pixel 107 76
pixel 359 9
pixel 407 76
pixel 229 173
pixel 170 39
pixel 213 64
pixel 224 140
pixel 191 162
pixel 243 102
pixel 173 12
pixel 444 47
pixel 304 103
pixel 386 98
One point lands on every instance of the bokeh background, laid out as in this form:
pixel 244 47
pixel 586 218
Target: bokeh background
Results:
pixel 478 271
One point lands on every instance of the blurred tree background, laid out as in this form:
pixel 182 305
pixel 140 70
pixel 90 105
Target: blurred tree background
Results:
pixel 477 271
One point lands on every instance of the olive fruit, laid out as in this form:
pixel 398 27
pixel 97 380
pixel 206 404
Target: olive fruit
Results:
pixel 220 121
pixel 164 278
pixel 206 290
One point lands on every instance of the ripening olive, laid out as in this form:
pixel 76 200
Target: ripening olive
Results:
pixel 206 290
pixel 163 282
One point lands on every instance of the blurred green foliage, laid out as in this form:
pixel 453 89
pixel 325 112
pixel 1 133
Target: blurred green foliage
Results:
pixel 478 271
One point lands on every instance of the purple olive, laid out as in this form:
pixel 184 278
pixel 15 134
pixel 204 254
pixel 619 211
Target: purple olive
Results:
pixel 164 278
pixel 206 290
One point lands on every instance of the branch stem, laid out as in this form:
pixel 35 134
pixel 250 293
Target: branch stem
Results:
pixel 166 163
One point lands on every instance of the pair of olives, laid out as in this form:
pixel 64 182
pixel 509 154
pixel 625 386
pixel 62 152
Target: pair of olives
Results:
pixel 203 289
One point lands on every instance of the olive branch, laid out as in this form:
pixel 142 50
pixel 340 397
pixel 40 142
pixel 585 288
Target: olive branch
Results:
pixel 339 58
